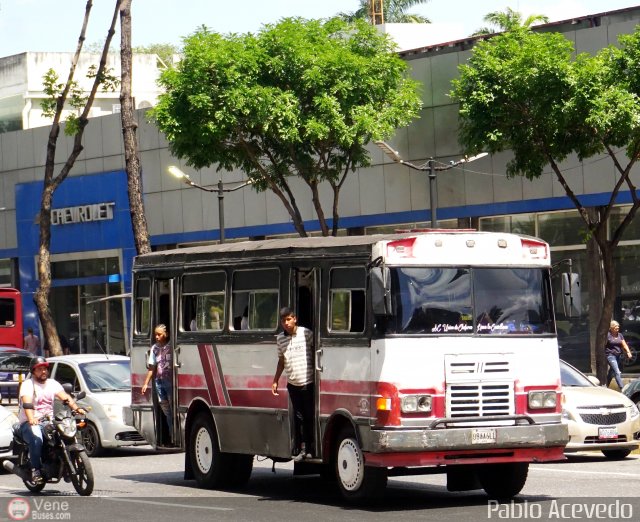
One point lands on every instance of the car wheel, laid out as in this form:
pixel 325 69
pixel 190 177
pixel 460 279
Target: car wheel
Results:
pixel 91 440
pixel 616 454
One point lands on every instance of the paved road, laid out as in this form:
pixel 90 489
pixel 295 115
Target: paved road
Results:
pixel 139 484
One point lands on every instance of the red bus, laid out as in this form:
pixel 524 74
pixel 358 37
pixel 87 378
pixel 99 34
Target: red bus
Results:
pixel 11 333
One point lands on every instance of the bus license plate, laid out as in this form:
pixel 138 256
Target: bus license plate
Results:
pixel 483 436
pixel 608 433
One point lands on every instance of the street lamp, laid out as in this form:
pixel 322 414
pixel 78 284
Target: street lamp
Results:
pixel 431 166
pixel 219 189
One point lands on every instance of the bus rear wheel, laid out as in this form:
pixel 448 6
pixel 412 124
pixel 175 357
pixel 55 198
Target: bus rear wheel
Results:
pixel 503 481
pixel 210 466
pixel 356 481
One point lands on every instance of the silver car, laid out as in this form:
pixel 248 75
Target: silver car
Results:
pixel 107 383
pixel 7 420
pixel 599 419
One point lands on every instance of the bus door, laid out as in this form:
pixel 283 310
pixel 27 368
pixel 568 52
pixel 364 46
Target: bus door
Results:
pixel 165 312
pixel 307 284
pixel 343 360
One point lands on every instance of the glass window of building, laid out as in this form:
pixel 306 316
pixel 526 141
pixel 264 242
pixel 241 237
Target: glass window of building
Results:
pixel 562 228
pixel 517 224
pixel 632 232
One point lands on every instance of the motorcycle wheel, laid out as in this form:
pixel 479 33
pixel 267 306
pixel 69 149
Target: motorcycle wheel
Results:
pixel 82 480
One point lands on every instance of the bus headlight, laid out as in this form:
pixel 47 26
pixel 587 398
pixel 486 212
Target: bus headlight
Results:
pixel 416 403
pixel 542 399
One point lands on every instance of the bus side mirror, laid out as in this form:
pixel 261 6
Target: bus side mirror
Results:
pixel 381 290
pixel 571 296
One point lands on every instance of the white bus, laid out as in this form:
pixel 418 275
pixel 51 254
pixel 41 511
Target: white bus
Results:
pixel 435 352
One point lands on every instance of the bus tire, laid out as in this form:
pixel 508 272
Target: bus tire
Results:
pixel 356 481
pixel 503 481
pixel 241 467
pixel 210 466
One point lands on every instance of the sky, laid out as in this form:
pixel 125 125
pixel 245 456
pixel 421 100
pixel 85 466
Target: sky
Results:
pixel 54 25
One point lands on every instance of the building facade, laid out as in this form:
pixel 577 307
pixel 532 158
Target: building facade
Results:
pixel 92 242
pixel 21 85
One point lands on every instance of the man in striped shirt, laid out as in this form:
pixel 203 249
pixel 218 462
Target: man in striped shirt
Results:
pixel 295 358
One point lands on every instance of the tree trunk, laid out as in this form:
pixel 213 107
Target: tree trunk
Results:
pixel 608 302
pixel 594 275
pixel 129 128
pixel 52 182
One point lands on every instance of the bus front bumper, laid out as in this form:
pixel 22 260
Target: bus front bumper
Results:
pixel 467 445
pixel 470 438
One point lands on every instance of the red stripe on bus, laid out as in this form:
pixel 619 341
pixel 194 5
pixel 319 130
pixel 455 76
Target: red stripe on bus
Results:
pixel 212 375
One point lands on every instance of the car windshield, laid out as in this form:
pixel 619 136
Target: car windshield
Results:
pixel 482 301
pixel 107 375
pixel 569 376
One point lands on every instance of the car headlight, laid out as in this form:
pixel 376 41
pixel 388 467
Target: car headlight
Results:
pixel 416 403
pixel 566 415
pixel 542 399
pixel 633 412
pixel 113 411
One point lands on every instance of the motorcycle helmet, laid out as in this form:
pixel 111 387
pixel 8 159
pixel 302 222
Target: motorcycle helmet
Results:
pixel 37 361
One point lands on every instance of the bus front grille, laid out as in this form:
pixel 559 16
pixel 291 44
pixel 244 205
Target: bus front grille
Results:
pixel 479 399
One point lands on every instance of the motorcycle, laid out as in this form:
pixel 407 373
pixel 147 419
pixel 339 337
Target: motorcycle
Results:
pixel 63 456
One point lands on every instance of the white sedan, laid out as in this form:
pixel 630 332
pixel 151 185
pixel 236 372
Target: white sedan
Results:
pixel 7 420
pixel 106 379
pixel 599 419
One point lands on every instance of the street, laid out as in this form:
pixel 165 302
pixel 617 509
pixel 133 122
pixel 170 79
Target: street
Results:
pixel 140 484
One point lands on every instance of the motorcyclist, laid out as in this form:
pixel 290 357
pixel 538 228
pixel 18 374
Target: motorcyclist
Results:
pixel 36 402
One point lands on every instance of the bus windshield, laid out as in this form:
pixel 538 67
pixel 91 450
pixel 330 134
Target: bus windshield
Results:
pixel 482 301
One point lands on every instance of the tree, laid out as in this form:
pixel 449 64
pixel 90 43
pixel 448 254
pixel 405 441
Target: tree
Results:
pixel 523 91
pixel 58 96
pixel 509 20
pixel 300 98
pixel 394 12
pixel 164 51
pixel 129 128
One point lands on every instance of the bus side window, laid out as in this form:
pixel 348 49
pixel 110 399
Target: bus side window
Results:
pixel 203 301
pixel 347 300
pixel 142 307
pixel 256 299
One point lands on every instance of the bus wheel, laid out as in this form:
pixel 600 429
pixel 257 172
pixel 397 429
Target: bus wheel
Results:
pixel 503 481
pixel 355 480
pixel 209 464
pixel 241 467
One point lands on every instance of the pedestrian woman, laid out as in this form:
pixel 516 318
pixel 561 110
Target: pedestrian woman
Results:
pixel 613 349
pixel 160 366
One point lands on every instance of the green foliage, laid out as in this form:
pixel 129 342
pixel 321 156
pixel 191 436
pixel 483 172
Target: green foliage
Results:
pixel 508 20
pixel 165 52
pixel 395 12
pixel 75 98
pixel 298 98
pixel 524 91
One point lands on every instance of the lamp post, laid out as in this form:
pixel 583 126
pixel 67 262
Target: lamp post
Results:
pixel 431 166
pixel 220 190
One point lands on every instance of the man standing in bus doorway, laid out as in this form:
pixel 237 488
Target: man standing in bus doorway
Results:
pixel 295 357
pixel 32 342
pixel 160 365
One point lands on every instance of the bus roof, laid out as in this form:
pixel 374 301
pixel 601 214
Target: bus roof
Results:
pixel 344 246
